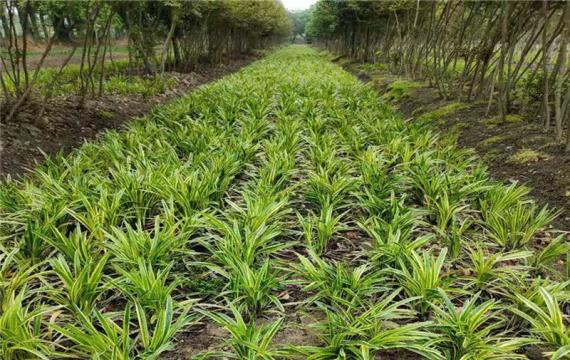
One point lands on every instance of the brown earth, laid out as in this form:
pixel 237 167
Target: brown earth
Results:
pixel 65 126
pixel 548 174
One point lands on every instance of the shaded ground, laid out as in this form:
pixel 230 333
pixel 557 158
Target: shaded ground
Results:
pixel 64 126
pixel 517 151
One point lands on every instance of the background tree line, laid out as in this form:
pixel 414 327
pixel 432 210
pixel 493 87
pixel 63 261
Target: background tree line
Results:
pixel 509 53
pixel 162 36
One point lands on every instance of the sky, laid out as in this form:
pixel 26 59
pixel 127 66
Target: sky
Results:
pixel 298 4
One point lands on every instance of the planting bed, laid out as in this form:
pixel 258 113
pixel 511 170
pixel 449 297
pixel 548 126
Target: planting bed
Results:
pixel 64 126
pixel 285 211
pixel 546 171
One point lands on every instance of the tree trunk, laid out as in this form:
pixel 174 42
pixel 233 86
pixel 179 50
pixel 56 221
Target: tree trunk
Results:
pixel 62 31
pixel 35 29
pixel 176 52
pixel 502 60
pixel 44 27
pixel 166 45
pixel 4 20
pixel 562 58
pixel 545 53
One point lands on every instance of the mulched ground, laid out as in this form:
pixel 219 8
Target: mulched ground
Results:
pixel 548 176
pixel 64 126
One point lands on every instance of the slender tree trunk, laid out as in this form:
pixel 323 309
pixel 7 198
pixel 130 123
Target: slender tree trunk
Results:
pixel 33 22
pixel 53 82
pixel 502 61
pixel 44 27
pixel 166 45
pixel 106 45
pixel 3 19
pixel 562 59
pixel 568 134
pixel 23 15
pixel 545 53
pixel 61 29
pixel 491 92
pixel 30 85
pixel 176 52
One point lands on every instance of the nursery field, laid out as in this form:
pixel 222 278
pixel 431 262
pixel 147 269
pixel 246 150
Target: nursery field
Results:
pixel 293 211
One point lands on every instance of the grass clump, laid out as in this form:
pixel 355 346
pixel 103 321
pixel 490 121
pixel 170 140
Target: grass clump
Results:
pixel 443 111
pixel 371 67
pixel 509 119
pixel 129 85
pixel 493 140
pixel 401 89
pixel 105 115
pixel 116 80
pixel 513 119
pixel 524 156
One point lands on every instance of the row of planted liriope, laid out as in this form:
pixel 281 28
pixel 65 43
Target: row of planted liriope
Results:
pixel 287 187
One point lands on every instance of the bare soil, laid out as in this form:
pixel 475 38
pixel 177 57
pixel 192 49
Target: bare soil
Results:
pixel 210 338
pixel 65 126
pixel 548 176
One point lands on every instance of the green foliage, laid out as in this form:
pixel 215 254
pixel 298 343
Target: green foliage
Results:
pixel 443 111
pixel 299 19
pixel 81 281
pixel 547 323
pixel 556 249
pixel 524 156
pixel 470 332
pixel 126 85
pixel 20 335
pixel 514 227
pixel 348 333
pixel 248 340
pixel 371 67
pixel 288 187
pixel 116 81
pixel 421 277
pixel 493 140
pixel 318 231
pixel 491 272
pixel 337 283
pixel 400 89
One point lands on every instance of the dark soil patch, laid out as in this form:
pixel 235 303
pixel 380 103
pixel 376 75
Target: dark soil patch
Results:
pixel 204 339
pixel 65 126
pixel 399 354
pixel 211 338
pixel 548 175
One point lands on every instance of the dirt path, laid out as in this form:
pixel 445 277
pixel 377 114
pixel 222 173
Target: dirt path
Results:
pixel 59 52
pixel 65 126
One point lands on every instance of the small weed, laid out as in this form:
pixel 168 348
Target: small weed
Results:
pixel 513 119
pixel 418 111
pixel 524 156
pixel 373 67
pixel 493 140
pixel 460 126
pixel 443 111
pixel 491 155
pixel 401 89
pixel 105 115
pixel 496 120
